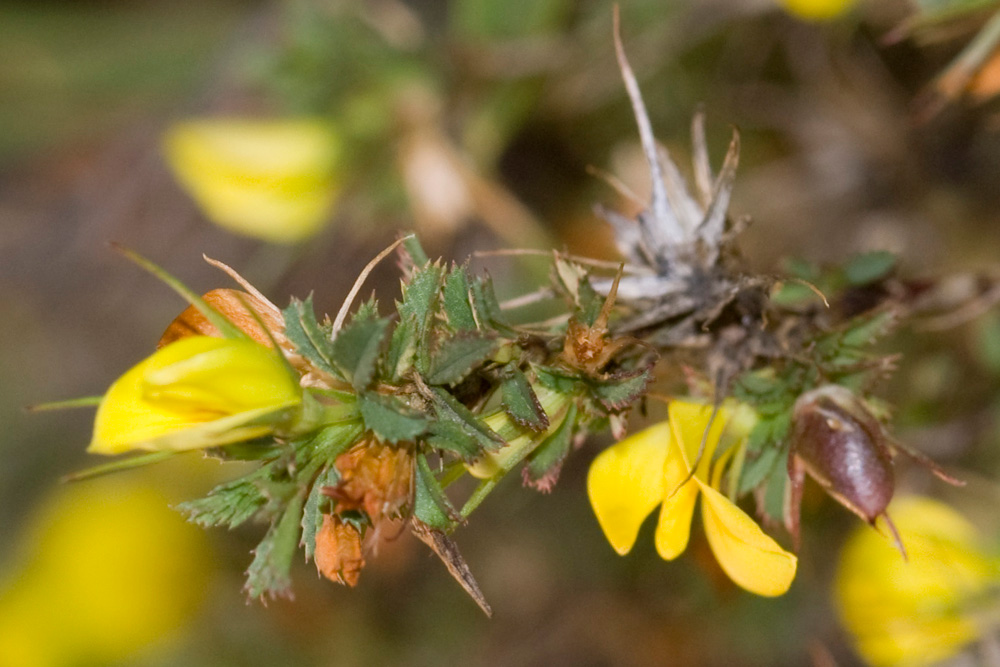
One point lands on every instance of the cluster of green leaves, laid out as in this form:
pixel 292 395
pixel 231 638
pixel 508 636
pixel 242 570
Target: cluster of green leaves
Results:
pixel 449 380
pixel 844 354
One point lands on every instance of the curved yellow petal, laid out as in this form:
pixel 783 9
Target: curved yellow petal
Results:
pixel 626 483
pixel 196 384
pixel 688 421
pixel 271 179
pixel 751 559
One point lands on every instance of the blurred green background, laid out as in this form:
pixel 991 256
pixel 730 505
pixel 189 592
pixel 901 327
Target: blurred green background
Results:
pixel 515 98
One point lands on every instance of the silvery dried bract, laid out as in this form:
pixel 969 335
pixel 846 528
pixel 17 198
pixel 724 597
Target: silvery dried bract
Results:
pixel 674 247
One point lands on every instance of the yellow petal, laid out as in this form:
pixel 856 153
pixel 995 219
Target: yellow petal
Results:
pixel 202 386
pixel 626 483
pixel 274 180
pixel 751 559
pixel 688 422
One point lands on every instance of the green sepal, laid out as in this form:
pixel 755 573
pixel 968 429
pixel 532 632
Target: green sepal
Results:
pixel 137 461
pixel 620 390
pixel 545 462
pixel 270 572
pixel 457 355
pixel 757 467
pixel 248 450
pixel 447 407
pixel 520 401
pixel 310 338
pixel 312 512
pixel 590 304
pixel 355 351
pixel 430 504
pixel 456 297
pixel 419 305
pixel 390 418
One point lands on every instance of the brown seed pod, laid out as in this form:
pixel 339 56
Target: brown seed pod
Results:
pixel 837 441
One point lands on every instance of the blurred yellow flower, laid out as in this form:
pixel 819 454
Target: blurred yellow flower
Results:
pixel 273 180
pixel 197 392
pixel 109 569
pixel 924 609
pixel 628 480
pixel 817 10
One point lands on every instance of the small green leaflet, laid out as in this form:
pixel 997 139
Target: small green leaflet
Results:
pixel 390 418
pixel 269 573
pixel 520 401
pixel 448 408
pixel 487 308
pixel 419 305
pixel 546 461
pixel 457 307
pixel 869 267
pixel 456 356
pixel 399 357
pixel 311 340
pixel 430 504
pixel 759 468
pixel 356 349
pixel 450 436
pixel 230 504
pixel 774 495
pixel 620 391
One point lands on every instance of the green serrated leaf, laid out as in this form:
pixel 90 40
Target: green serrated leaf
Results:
pixel 420 299
pixel 312 512
pixel 457 307
pixel 869 267
pixel 270 572
pixel 390 418
pixel 230 504
pixel 430 504
pixel 456 356
pixel 448 408
pixel 402 350
pixel 487 308
pixel 590 303
pixel 356 349
pixel 557 379
pixel 452 437
pixel 545 462
pixel 520 401
pixel 620 392
pixel 310 339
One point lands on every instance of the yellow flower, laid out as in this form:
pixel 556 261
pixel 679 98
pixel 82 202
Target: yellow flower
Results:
pixel 273 180
pixel 108 570
pixel 197 392
pixel 630 479
pixel 924 609
pixel 817 10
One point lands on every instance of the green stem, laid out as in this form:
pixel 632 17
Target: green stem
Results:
pixel 479 495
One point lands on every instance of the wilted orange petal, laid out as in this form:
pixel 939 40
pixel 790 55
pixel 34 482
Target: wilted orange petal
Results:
pixel 233 305
pixel 338 551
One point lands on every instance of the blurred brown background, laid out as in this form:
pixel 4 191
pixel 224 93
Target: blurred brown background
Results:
pixel 524 95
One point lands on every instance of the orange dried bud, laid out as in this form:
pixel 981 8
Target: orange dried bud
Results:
pixel 375 479
pixel 338 551
pixel 244 310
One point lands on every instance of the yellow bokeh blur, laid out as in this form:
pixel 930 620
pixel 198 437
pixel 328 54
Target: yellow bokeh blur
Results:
pixel 923 609
pixel 108 571
pixel 817 10
pixel 274 180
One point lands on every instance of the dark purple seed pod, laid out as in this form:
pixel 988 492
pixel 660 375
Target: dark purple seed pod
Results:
pixel 842 446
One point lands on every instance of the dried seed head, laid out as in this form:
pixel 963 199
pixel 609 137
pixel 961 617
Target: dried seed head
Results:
pixel 338 552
